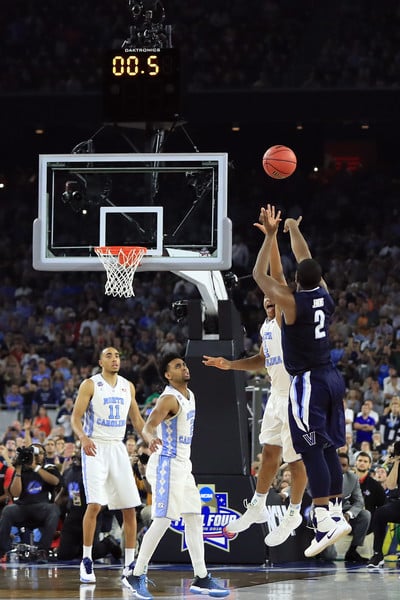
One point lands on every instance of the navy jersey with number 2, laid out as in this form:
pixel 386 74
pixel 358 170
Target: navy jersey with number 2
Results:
pixel 316 413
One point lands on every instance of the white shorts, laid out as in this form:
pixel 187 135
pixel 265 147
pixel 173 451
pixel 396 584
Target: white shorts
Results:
pixel 173 487
pixel 275 429
pixel 108 477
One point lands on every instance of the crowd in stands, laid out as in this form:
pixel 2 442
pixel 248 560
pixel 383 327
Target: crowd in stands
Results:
pixel 58 47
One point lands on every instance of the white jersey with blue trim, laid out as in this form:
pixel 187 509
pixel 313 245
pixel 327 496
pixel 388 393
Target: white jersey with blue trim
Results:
pixel 176 433
pixel 270 333
pixel 106 414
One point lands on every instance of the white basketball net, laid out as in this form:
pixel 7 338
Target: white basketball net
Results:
pixel 120 264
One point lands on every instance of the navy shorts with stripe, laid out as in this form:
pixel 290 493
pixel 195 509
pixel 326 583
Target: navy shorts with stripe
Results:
pixel 316 412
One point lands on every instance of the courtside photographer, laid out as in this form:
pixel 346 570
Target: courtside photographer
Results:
pixel 32 489
pixel 389 512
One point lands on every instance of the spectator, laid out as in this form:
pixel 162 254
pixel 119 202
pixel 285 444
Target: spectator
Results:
pixel 373 492
pixel 43 372
pixel 14 399
pixel 44 396
pixel 354 511
pixel 170 345
pixel 349 417
pixel 380 475
pixel 91 323
pixel 51 452
pixel 391 385
pixel 27 388
pixel 72 500
pixel 60 449
pixel 364 425
pixel 10 451
pixel 43 421
pixel 33 484
pixel 390 423
pixel 373 392
pixel 389 512
pixel 6 475
pixel 63 418
pixel 372 412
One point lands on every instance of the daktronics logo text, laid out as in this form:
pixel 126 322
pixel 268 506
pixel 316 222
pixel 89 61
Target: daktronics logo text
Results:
pixel 216 515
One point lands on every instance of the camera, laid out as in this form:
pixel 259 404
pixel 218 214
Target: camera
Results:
pixel 25 455
pixel 180 309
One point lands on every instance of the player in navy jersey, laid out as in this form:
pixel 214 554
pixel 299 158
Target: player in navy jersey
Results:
pixel 275 435
pixel 316 413
pixel 103 403
pixel 168 432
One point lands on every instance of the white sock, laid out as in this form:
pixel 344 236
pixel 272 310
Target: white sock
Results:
pixel 258 499
pixel 324 521
pixel 129 556
pixel 295 508
pixel 87 552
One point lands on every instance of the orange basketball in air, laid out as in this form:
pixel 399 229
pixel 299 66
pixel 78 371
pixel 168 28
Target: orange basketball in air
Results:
pixel 279 162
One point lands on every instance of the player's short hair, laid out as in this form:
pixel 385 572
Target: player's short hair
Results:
pixel 164 362
pixel 309 273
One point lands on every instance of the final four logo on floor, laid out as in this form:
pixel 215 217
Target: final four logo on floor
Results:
pixel 216 515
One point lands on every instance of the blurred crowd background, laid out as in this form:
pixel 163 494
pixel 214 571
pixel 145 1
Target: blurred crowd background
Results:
pixel 53 46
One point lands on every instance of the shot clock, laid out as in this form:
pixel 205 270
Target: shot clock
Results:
pixel 141 84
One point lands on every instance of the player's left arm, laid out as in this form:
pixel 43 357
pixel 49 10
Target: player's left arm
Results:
pixel 134 412
pixel 298 243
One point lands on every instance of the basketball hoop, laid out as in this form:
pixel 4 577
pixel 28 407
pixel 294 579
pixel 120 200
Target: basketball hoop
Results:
pixel 120 263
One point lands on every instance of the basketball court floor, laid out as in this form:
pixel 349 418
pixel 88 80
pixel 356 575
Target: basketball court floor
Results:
pixel 297 581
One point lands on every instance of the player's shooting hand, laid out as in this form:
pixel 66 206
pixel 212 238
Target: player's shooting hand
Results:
pixel 270 219
pixel 290 222
pixel 216 361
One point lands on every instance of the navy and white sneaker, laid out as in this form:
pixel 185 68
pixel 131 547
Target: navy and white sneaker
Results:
pixel 327 531
pixel 86 573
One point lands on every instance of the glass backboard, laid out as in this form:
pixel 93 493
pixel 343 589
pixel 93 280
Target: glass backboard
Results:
pixel 173 204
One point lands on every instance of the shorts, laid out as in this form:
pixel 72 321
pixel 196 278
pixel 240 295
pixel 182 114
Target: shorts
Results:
pixel 108 477
pixel 316 412
pixel 173 487
pixel 275 429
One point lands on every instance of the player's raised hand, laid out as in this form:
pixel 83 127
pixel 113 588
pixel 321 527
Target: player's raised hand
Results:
pixel 290 222
pixel 270 219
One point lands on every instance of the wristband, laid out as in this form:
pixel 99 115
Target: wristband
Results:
pixel 37 469
pixel 17 475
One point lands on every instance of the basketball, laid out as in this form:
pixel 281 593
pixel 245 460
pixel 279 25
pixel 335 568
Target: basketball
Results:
pixel 279 162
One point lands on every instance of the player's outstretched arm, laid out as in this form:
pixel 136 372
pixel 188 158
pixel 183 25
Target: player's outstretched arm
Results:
pixel 298 243
pixel 217 361
pixel 251 363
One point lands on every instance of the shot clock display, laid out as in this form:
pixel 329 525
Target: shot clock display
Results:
pixel 141 85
